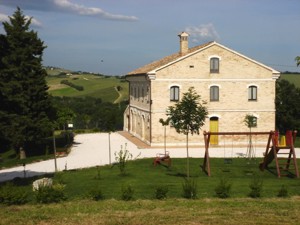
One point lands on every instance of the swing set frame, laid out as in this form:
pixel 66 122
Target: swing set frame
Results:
pixel 207 135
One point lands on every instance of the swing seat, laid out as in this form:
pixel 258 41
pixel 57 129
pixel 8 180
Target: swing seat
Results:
pixel 228 161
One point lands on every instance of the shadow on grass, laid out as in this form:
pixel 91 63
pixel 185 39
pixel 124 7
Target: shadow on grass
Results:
pixel 287 174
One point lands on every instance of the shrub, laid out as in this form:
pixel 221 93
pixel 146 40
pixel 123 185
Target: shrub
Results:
pixel 122 157
pixel 161 192
pixel 52 194
pixel 223 189
pixel 96 194
pixel 127 193
pixel 13 195
pixel 283 192
pixel 189 188
pixel 256 187
pixel 77 87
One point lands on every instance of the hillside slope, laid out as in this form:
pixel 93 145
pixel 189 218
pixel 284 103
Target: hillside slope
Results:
pixel 98 86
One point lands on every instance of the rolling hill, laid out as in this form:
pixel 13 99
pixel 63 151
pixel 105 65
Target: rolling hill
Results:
pixel 293 78
pixel 108 88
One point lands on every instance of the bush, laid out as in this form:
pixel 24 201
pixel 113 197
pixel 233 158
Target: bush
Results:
pixel 256 187
pixel 127 193
pixel 283 192
pixel 13 195
pixel 161 192
pixel 122 157
pixel 189 188
pixel 223 189
pixel 52 194
pixel 77 87
pixel 96 194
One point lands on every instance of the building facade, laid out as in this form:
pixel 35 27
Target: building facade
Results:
pixel 232 84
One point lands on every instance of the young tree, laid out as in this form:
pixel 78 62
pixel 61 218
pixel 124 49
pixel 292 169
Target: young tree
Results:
pixel 165 123
pixel 297 59
pixel 250 121
pixel 188 116
pixel 25 110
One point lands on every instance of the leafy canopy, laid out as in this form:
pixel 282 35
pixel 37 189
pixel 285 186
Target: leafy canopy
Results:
pixel 297 59
pixel 188 115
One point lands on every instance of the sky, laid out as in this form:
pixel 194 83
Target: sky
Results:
pixel 114 37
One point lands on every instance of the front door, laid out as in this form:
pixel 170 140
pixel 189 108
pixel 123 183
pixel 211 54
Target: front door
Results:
pixel 214 127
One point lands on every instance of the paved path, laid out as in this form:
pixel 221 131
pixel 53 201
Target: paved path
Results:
pixel 91 150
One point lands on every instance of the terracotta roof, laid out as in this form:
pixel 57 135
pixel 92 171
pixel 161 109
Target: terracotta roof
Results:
pixel 168 59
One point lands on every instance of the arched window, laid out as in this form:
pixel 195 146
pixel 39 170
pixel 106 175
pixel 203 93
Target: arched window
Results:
pixel 214 93
pixel 214 65
pixel 174 93
pixel 252 93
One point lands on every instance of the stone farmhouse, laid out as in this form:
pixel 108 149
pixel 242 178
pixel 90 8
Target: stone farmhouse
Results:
pixel 233 85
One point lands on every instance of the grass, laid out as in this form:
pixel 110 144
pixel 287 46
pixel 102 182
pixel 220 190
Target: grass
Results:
pixel 11 159
pixel 94 86
pixel 292 78
pixel 170 211
pixel 144 178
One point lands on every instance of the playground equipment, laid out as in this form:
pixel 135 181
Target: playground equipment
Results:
pixel 273 149
pixel 162 158
pixel 284 155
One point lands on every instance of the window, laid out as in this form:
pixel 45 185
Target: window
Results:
pixel 214 93
pixel 214 65
pixel 143 94
pixel 174 93
pixel 131 93
pixel 134 92
pixel 252 93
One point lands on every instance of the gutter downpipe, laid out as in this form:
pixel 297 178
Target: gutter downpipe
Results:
pixel 151 76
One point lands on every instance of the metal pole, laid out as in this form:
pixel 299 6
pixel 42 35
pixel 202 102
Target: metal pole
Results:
pixel 54 148
pixel 109 148
pixel 165 140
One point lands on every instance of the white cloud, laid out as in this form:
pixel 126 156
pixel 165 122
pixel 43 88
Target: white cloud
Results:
pixel 204 32
pixel 3 17
pixel 34 22
pixel 90 11
pixel 65 6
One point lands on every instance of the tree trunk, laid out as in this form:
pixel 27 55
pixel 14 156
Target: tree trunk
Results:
pixel 187 156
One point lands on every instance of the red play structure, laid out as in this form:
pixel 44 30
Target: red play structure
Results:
pixel 284 155
pixel 162 158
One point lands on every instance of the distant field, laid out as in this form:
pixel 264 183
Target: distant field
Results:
pixel 94 86
pixel 292 78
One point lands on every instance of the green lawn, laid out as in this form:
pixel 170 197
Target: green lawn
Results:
pixel 144 178
pixel 148 212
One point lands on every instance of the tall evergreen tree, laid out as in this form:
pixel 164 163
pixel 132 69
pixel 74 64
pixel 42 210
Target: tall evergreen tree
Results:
pixel 25 110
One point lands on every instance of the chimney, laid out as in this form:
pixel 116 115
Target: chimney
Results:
pixel 184 44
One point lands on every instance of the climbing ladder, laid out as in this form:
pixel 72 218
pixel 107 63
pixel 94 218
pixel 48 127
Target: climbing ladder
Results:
pixel 284 156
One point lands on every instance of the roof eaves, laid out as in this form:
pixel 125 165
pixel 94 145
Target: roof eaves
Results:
pixel 192 51
pixel 246 57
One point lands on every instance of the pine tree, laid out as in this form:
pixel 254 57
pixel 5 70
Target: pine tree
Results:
pixel 26 110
